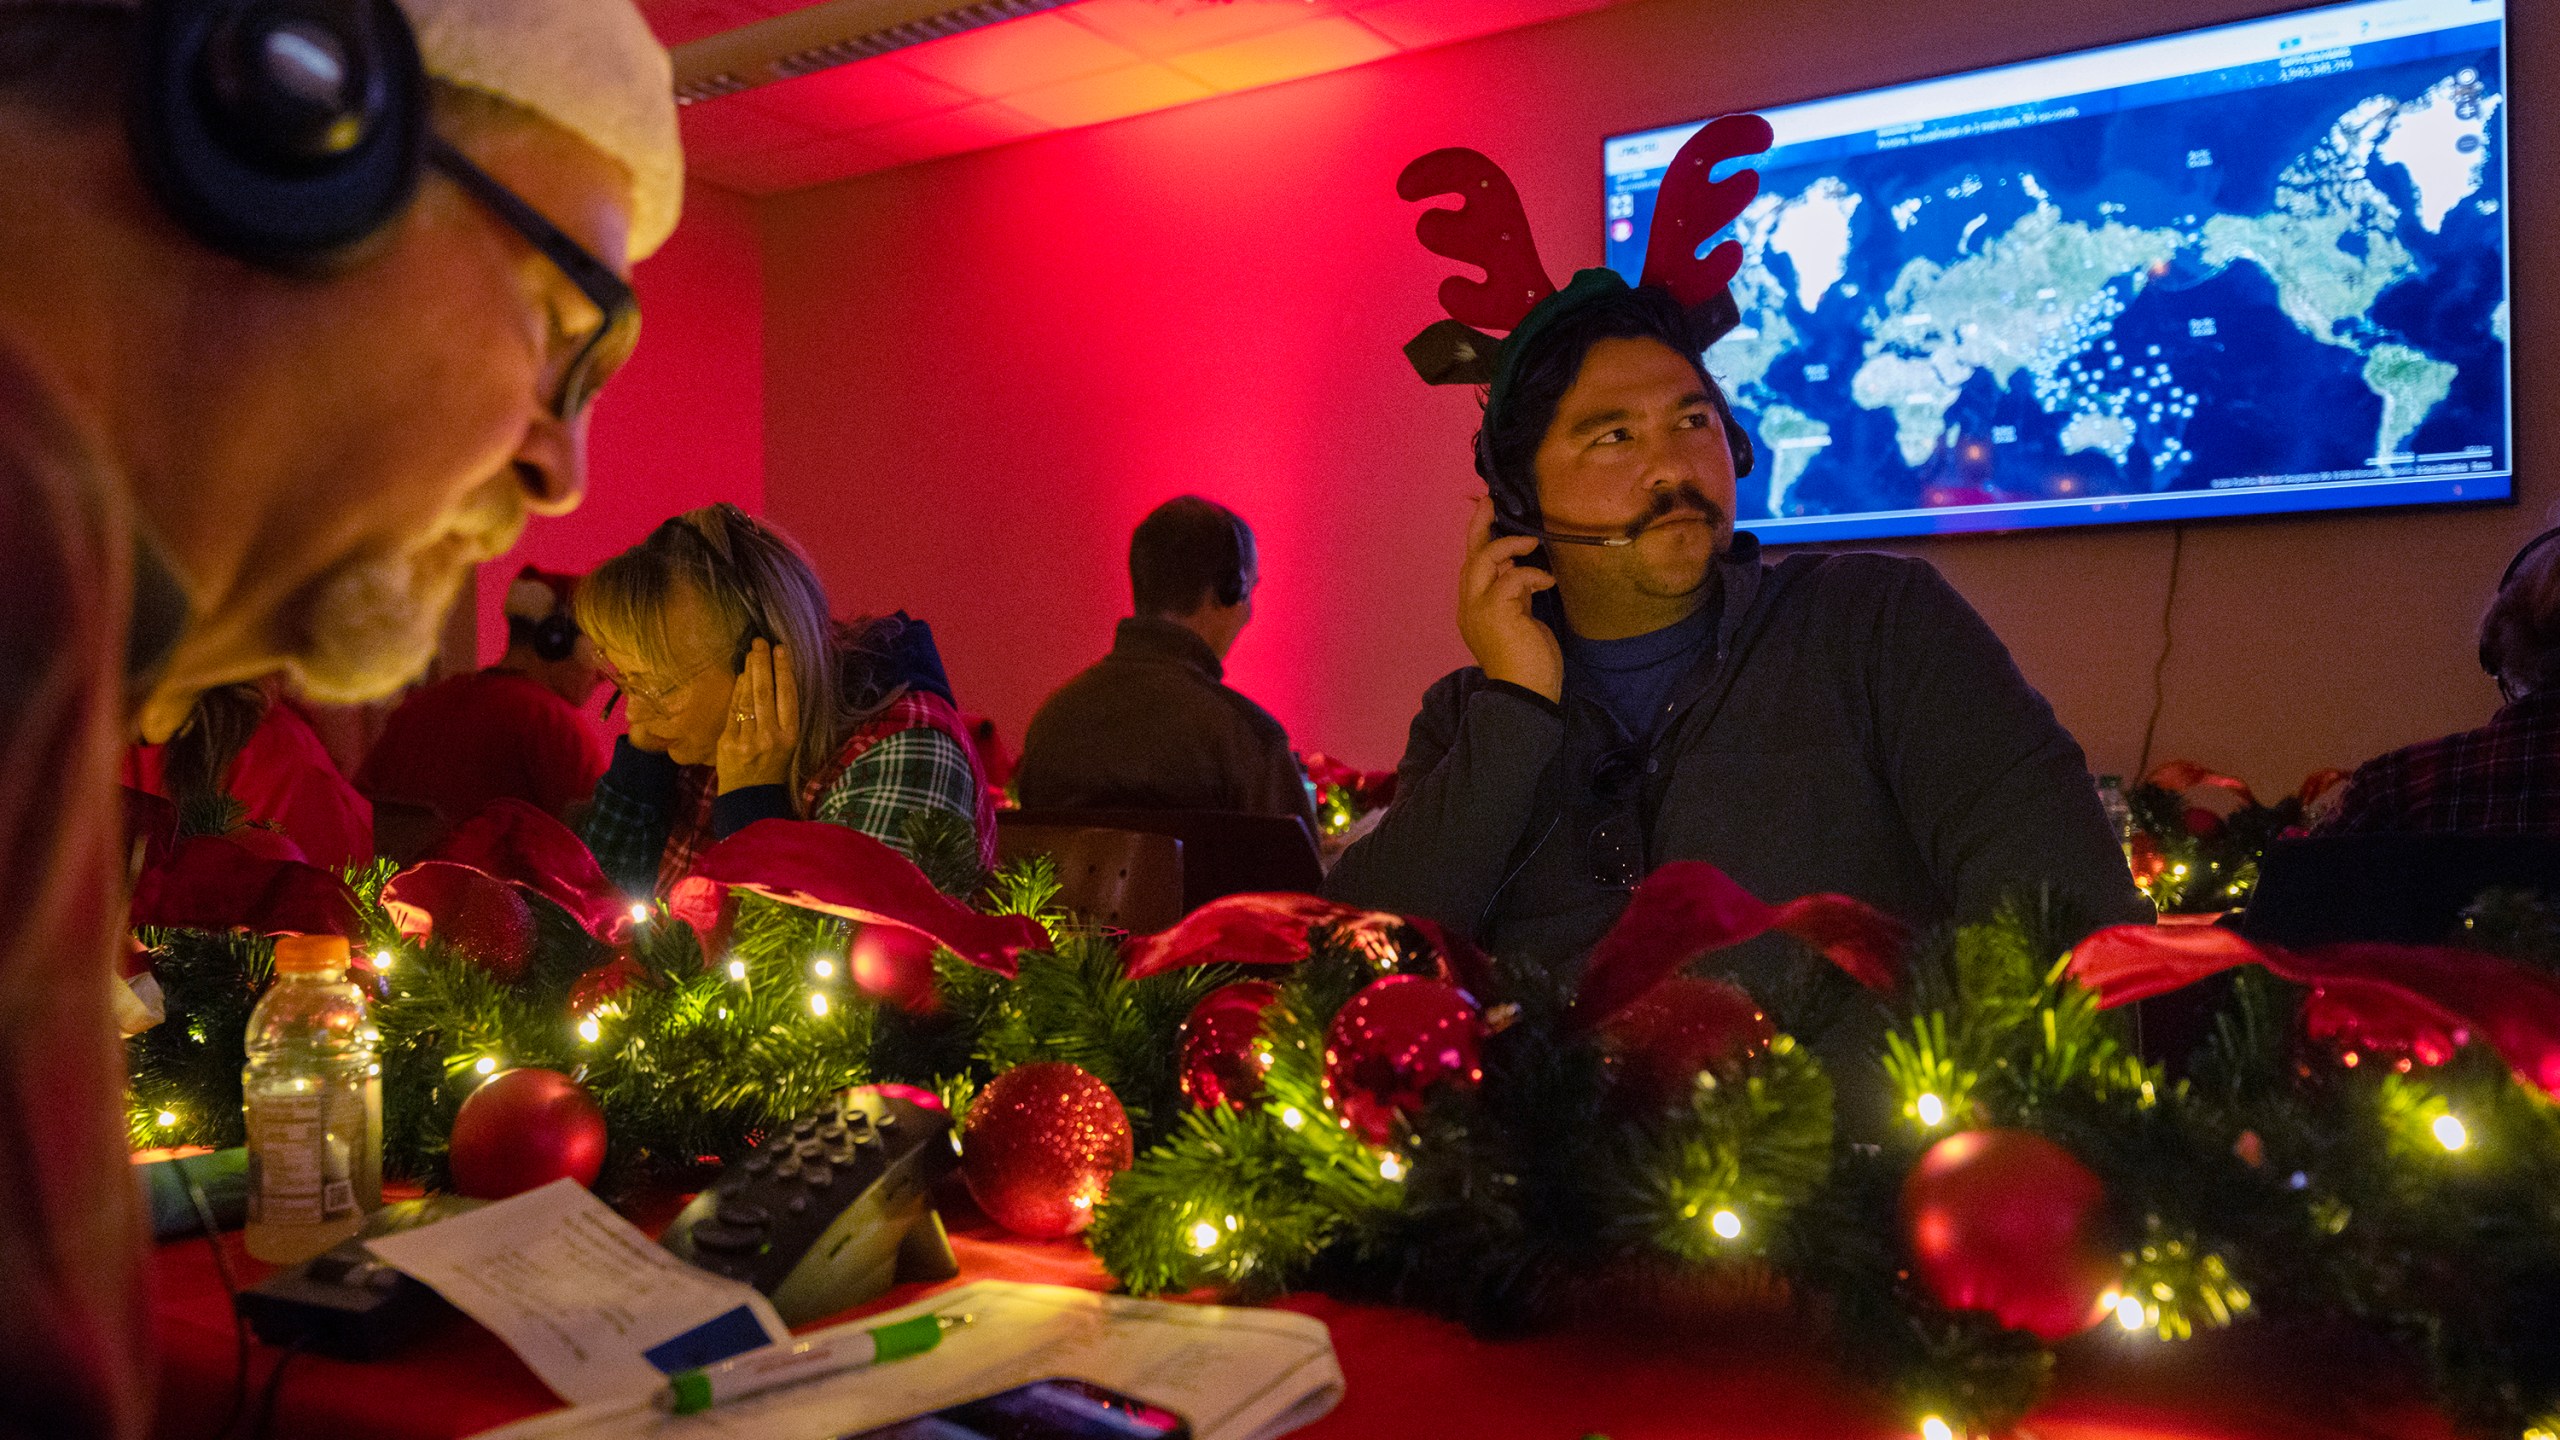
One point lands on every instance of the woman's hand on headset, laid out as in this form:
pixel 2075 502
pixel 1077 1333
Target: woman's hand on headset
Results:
pixel 764 721
pixel 1494 588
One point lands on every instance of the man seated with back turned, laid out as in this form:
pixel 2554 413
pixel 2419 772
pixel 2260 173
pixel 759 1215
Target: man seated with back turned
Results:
pixel 1151 726
pixel 1661 691
pixel 511 731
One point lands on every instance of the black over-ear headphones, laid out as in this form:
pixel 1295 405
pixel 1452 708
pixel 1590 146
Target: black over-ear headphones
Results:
pixel 554 636
pixel 1230 591
pixel 279 132
pixel 2490 660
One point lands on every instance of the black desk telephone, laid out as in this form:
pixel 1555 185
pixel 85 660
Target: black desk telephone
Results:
pixel 833 1208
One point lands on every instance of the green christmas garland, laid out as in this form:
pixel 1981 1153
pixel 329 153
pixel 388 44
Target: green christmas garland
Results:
pixel 2265 1182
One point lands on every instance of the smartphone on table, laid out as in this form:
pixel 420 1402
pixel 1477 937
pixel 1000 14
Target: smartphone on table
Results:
pixel 1054 1409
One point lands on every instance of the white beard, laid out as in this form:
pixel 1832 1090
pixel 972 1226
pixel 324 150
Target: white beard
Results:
pixel 374 622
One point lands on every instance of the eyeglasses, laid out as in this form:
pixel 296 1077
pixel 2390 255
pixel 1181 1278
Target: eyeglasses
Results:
pixel 604 350
pixel 655 697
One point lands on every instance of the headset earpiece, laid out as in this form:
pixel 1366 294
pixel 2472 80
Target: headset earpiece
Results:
pixel 1737 440
pixel 279 132
pixel 2491 661
pixel 555 636
pixel 1231 591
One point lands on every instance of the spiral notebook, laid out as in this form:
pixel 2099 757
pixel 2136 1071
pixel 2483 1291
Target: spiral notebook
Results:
pixel 1235 1374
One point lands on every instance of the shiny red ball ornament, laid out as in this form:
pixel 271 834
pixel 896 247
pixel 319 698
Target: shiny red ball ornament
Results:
pixel 1391 1044
pixel 1040 1147
pixel 1678 1028
pixel 523 1129
pixel 604 983
pixel 894 964
pixel 2202 823
pixel 487 920
pixel 2008 1222
pixel 1218 1064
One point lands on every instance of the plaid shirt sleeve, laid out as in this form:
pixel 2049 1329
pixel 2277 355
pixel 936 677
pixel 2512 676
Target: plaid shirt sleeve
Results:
pixel 626 825
pixel 915 769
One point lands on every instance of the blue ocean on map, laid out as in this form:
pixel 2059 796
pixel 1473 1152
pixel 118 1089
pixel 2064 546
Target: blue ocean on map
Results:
pixel 2297 284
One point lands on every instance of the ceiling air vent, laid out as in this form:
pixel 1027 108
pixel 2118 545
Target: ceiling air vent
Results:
pixel 825 35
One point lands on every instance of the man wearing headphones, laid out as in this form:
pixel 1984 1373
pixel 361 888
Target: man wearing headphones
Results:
pixel 513 730
pixel 1153 725
pixel 2503 778
pixel 1658 690
pixel 302 307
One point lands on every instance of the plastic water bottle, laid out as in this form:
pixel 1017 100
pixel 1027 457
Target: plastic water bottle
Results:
pixel 313 1093
pixel 2119 810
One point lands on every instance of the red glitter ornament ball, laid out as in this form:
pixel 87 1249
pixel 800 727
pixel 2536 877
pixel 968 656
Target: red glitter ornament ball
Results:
pixel 485 919
pixel 2007 1221
pixel 604 982
pixel 523 1129
pixel 1391 1044
pixel 1040 1147
pixel 1219 1065
pixel 1678 1028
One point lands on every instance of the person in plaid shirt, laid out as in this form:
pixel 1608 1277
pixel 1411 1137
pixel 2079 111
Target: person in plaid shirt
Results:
pixel 717 634
pixel 2503 778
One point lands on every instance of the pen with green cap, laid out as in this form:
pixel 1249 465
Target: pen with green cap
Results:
pixel 793 1361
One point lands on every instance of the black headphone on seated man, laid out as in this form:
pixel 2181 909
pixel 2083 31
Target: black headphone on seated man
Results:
pixel 279 132
pixel 2490 660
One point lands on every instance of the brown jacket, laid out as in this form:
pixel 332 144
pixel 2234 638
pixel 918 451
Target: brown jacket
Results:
pixel 72 1333
pixel 1150 726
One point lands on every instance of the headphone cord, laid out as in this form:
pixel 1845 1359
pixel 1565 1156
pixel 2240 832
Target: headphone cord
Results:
pixel 230 1288
pixel 266 1426
pixel 2160 666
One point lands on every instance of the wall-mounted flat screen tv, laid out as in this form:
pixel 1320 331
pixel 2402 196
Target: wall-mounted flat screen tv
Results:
pixel 2255 268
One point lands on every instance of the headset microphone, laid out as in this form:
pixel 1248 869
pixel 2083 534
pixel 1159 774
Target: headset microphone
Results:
pixel 1607 541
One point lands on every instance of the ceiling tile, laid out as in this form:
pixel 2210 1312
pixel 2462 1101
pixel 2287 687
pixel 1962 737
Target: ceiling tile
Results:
pixel 950 133
pixel 1330 42
pixel 676 22
pixel 1017 55
pixel 1109 96
pixel 858 96
pixel 1156 29
pixel 737 125
pixel 1415 24
pixel 773 171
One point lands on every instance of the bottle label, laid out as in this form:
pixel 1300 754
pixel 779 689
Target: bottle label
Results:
pixel 299 1173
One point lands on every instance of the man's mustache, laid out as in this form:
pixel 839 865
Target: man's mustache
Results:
pixel 1667 503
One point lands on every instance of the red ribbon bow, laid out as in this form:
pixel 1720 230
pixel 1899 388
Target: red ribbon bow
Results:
pixel 818 866
pixel 210 883
pixel 2427 1000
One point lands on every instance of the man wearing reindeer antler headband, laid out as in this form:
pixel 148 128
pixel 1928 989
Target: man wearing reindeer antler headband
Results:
pixel 1648 687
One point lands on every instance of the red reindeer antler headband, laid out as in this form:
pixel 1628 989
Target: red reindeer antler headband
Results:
pixel 1489 229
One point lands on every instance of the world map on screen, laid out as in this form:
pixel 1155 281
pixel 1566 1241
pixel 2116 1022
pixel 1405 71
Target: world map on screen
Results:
pixel 2269 286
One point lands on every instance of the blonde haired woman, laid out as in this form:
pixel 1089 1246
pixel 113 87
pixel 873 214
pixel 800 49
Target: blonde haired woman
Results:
pixel 747 702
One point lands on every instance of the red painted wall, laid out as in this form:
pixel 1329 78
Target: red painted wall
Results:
pixel 980 372
pixel 683 424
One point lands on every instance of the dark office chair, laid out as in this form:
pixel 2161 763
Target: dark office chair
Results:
pixel 1223 852
pixel 1125 879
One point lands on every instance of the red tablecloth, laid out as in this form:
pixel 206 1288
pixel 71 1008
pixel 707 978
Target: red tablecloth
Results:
pixel 1405 1374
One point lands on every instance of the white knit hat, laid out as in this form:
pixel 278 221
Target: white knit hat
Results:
pixel 590 67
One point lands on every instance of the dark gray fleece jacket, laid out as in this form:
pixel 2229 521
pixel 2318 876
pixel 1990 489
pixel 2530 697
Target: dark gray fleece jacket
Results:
pixel 1856 727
